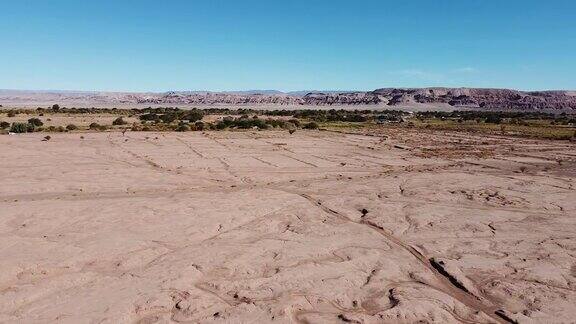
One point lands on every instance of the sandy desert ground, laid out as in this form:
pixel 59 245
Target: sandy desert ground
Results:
pixel 267 227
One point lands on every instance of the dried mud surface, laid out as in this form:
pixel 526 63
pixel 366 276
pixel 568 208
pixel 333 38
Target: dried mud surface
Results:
pixel 313 227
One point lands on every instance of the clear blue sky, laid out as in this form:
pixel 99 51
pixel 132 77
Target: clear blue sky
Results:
pixel 145 45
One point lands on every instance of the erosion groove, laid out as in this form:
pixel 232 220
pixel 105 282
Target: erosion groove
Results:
pixel 505 317
pixel 451 287
pixel 440 268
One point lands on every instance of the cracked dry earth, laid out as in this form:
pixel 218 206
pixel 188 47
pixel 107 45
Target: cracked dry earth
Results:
pixel 314 227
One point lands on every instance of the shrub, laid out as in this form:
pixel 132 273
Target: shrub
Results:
pixel 311 125
pixel 221 125
pixel 295 121
pixel 493 119
pixel 192 115
pixel 55 107
pixel 149 117
pixel 199 126
pixel 35 121
pixel 19 128
pixel 135 128
pixel 11 113
pixel 169 117
pixel 4 125
pixel 61 129
pixel 119 121
pixel 276 123
pixel 94 126
pixel 183 128
pixel 71 127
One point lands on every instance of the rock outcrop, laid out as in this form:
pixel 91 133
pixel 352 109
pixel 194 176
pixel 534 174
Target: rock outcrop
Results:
pixel 489 99
pixel 482 98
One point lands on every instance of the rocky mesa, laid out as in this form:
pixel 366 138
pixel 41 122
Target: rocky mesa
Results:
pixel 431 98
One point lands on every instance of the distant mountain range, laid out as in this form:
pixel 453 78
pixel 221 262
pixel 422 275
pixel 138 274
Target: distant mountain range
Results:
pixel 390 98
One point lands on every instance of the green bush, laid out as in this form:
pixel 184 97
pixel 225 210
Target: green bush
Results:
pixel 169 117
pixel 192 115
pixel 4 125
pixel 199 126
pixel 241 123
pixel 35 121
pixel 149 117
pixel 19 128
pixel 311 125
pixel 71 127
pixel 493 119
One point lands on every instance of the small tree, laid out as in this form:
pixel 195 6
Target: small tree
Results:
pixel 55 107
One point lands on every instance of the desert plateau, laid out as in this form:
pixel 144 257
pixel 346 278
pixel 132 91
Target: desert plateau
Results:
pixel 375 225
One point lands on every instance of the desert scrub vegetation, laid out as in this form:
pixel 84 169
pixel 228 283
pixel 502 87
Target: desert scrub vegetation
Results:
pixel 4 125
pixel 55 129
pixel 35 121
pixel 71 127
pixel 183 127
pixel 311 125
pixel 533 129
pixel 98 127
pixel 171 115
pixel 119 121
pixel 241 123
pixel 21 128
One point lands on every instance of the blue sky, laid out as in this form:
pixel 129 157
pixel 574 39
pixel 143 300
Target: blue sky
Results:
pixel 146 45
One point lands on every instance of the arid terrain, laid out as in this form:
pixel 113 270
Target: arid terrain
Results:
pixel 389 226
